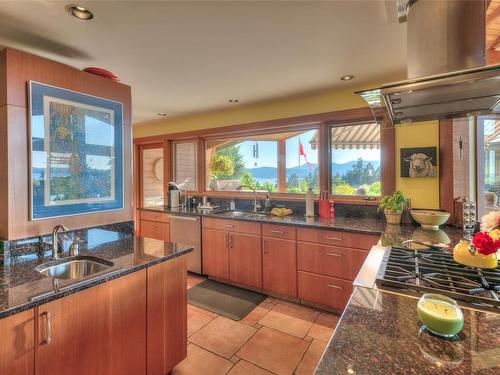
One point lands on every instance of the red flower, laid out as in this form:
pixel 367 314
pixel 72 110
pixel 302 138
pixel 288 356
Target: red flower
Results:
pixel 484 244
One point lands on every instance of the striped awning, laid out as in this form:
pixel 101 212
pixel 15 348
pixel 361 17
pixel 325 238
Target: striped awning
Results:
pixel 362 136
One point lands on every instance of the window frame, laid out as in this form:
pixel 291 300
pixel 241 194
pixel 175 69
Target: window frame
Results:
pixel 356 198
pixel 320 121
pixel 197 161
pixel 281 163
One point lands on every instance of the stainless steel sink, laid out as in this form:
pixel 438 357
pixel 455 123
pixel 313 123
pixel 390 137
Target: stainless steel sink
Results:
pixel 76 267
pixel 244 214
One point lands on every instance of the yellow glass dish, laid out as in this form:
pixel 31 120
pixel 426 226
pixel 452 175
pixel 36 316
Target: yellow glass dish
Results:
pixel 462 255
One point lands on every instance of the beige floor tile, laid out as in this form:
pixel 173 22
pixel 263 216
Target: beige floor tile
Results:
pixel 223 336
pixel 246 368
pixel 196 320
pixel 275 351
pixel 308 364
pixel 193 280
pixel 290 318
pixel 193 307
pixel 201 361
pixel 255 315
pixel 323 327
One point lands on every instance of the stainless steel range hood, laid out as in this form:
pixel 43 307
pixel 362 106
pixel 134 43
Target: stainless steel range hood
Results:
pixel 447 76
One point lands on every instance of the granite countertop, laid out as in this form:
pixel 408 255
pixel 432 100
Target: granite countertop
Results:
pixel 22 287
pixel 379 333
pixel 390 235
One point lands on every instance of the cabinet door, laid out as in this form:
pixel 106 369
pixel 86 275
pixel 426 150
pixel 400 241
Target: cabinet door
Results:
pixel 245 259
pixel 279 266
pixel 167 316
pixel 156 230
pixel 17 351
pixel 215 253
pixel 101 330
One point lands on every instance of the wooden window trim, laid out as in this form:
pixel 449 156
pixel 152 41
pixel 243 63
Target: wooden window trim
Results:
pixel 322 122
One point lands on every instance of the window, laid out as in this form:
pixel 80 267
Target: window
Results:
pixel 152 176
pixel 488 163
pixel 278 162
pixel 302 162
pixel 185 165
pixel 355 159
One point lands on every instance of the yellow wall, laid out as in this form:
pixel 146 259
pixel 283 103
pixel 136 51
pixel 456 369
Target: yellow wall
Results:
pixel 423 191
pixel 318 102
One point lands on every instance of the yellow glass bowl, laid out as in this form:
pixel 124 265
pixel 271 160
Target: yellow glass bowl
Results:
pixel 462 255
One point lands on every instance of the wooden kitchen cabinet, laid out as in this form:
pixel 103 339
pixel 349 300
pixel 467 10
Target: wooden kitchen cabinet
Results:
pixel 279 266
pixel 17 350
pixel 216 253
pixel 157 230
pixel 100 330
pixel 245 259
pixel 166 316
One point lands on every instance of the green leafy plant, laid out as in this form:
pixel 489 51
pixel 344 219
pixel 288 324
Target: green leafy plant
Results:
pixel 221 166
pixel 393 203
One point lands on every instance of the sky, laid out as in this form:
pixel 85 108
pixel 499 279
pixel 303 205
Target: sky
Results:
pixel 268 153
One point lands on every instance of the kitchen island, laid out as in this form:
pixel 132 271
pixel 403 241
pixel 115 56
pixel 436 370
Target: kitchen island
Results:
pixel 380 333
pixel 130 318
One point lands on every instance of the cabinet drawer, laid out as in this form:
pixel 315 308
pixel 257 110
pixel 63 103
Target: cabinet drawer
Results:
pixel 155 216
pixel 338 238
pixel 324 290
pixel 330 260
pixel 279 231
pixel 328 237
pixel 153 229
pixel 231 225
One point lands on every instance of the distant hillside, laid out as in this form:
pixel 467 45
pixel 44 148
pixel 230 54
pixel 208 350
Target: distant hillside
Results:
pixel 302 171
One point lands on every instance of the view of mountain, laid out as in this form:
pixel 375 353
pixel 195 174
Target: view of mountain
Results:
pixel 302 171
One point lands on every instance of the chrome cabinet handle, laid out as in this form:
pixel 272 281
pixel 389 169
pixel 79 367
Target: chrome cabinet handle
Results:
pixel 226 240
pixel 334 255
pixel 228 225
pixel 48 328
pixel 335 286
pixel 277 231
pixel 334 238
pixel 230 241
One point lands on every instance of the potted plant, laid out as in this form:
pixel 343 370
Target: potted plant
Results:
pixel 393 207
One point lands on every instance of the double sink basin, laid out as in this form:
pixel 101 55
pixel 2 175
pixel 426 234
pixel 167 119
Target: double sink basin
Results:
pixel 243 214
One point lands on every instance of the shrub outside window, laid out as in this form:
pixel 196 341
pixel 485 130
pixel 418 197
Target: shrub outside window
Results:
pixel 355 159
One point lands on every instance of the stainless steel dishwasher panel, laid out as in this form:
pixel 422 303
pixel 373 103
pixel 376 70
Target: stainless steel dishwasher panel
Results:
pixel 187 230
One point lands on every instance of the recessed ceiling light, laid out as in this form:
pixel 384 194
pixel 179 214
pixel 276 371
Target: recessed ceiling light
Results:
pixel 79 12
pixel 347 77
pixel 161 114
pixel 233 100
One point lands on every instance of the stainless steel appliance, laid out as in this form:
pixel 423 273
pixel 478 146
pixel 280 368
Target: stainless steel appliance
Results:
pixel 187 230
pixel 446 64
pixel 411 271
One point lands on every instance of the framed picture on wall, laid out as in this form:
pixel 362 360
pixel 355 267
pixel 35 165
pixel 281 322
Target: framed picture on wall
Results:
pixel 419 162
pixel 76 154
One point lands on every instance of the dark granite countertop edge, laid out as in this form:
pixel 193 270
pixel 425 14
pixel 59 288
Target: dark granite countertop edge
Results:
pixel 91 282
pixel 270 220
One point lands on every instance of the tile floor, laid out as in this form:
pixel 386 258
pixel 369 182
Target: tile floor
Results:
pixel 277 337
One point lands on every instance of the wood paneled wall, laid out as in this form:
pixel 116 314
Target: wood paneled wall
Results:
pixel 16 69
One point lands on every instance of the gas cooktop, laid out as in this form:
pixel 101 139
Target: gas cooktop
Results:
pixel 433 271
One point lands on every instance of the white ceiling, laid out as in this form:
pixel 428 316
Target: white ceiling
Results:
pixel 185 57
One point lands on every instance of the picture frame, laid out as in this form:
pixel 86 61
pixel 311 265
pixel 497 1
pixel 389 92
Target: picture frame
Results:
pixel 418 162
pixel 76 152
